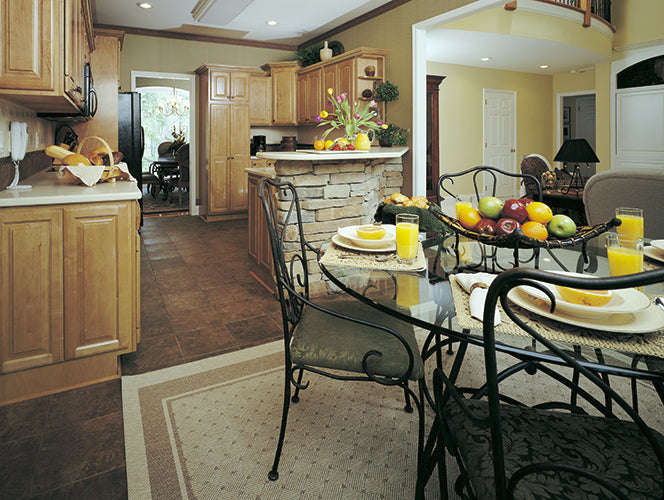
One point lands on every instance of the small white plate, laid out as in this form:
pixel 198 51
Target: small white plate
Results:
pixel 337 239
pixel 626 300
pixel 654 253
pixel 646 320
pixel 350 233
pixel 658 244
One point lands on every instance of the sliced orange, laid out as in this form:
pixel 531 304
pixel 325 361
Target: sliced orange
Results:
pixel 594 298
pixel 370 232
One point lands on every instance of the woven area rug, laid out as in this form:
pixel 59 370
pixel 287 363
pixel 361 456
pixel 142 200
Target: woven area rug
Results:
pixel 158 205
pixel 208 429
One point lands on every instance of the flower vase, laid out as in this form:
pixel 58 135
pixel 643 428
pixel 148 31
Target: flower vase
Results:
pixel 325 52
pixel 362 142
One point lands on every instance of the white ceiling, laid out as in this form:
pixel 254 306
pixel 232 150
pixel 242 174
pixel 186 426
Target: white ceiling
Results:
pixel 298 20
pixel 302 20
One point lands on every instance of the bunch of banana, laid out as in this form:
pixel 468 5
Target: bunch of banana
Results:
pixel 403 201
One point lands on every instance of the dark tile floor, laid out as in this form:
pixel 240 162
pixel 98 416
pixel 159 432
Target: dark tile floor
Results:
pixel 197 300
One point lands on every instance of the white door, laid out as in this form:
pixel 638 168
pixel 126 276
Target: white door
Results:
pixel 500 139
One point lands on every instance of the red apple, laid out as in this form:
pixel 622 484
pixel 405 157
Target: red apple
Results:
pixel 526 201
pixel 507 226
pixel 514 209
pixel 486 226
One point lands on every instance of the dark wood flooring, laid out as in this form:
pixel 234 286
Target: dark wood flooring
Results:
pixel 197 300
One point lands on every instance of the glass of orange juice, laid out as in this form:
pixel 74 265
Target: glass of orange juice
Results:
pixel 408 293
pixel 625 254
pixel 408 228
pixel 632 221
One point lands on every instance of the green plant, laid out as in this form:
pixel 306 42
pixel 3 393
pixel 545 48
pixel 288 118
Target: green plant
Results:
pixel 309 55
pixel 386 92
pixel 394 134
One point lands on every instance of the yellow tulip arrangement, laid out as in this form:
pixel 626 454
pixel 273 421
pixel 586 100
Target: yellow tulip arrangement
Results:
pixel 347 118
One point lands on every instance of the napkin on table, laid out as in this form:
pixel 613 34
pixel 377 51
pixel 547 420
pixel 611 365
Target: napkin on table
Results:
pixel 477 295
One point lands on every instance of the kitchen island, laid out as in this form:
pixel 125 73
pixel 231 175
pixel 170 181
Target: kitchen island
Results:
pixel 337 189
pixel 69 284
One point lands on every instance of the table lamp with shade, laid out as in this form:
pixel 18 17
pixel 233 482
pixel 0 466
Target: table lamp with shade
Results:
pixel 575 151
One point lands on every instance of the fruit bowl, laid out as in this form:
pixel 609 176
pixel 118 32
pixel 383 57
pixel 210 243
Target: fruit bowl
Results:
pixel 518 239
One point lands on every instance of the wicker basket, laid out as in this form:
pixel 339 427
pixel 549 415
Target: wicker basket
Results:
pixel 518 239
pixel 111 171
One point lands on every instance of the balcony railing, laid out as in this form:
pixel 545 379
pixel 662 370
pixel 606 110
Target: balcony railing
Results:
pixel 600 9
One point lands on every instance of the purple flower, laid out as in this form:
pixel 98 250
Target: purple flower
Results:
pixel 372 103
pixel 339 99
pixel 357 116
pixel 318 119
pixel 343 96
pixel 379 123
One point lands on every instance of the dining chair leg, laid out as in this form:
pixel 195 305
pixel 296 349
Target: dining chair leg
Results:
pixel 296 396
pixel 408 408
pixel 273 475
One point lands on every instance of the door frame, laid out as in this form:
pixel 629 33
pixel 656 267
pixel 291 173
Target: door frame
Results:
pixel 513 162
pixel 559 118
pixel 193 178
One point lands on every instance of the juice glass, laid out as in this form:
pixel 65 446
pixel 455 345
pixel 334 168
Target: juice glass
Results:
pixel 625 254
pixel 408 228
pixel 408 293
pixel 632 221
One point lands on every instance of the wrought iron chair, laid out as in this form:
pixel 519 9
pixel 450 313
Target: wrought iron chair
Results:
pixel 508 450
pixel 534 165
pixel 342 339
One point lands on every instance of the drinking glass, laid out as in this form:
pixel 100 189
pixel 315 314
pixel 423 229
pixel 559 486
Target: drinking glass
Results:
pixel 632 221
pixel 625 254
pixel 408 228
pixel 408 293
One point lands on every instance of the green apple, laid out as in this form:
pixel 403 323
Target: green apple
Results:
pixel 490 207
pixel 561 226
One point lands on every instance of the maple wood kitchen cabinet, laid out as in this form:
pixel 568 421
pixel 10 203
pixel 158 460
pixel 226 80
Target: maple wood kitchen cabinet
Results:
pixel 309 95
pixel 69 284
pixel 260 99
pixel 259 249
pixel 284 92
pixel 223 131
pixel 44 47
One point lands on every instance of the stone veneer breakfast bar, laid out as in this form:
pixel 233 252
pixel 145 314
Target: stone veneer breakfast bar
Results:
pixel 336 189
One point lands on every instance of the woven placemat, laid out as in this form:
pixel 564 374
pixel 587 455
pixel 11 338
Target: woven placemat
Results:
pixel 651 344
pixel 386 261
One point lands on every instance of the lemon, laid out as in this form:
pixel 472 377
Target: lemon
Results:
pixel 319 144
pixel 593 298
pixel 370 232
pixel 329 144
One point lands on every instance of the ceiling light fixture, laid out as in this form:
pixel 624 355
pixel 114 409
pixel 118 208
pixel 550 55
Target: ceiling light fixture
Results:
pixel 544 66
pixel 173 105
pixel 485 59
pixel 144 5
pixel 272 23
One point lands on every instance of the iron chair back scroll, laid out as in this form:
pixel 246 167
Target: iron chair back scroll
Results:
pixel 489 177
pixel 507 450
pixel 327 336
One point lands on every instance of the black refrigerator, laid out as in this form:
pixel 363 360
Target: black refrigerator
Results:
pixel 130 134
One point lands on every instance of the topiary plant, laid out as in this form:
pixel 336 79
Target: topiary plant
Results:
pixel 309 55
pixel 386 92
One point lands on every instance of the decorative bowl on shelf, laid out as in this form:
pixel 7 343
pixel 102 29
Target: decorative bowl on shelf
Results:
pixel 518 239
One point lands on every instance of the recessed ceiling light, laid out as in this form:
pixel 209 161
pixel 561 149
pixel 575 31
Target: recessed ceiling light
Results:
pixel 544 66
pixel 144 5
pixel 272 23
pixel 485 59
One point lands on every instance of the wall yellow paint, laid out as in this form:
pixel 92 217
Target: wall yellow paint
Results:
pixel 164 55
pixel 637 21
pixel 461 114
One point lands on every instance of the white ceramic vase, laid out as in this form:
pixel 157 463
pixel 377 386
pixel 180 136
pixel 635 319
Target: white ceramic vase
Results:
pixel 325 52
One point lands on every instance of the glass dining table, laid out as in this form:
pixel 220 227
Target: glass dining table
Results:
pixel 432 299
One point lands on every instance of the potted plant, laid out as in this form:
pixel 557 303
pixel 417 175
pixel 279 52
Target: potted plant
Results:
pixel 386 92
pixel 309 55
pixel 392 135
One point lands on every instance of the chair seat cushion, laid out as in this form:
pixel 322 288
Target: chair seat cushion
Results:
pixel 326 341
pixel 613 448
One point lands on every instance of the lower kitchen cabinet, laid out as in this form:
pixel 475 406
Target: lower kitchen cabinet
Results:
pixel 69 294
pixel 259 249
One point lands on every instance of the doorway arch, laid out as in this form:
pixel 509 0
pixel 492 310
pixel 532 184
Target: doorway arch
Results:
pixel 190 85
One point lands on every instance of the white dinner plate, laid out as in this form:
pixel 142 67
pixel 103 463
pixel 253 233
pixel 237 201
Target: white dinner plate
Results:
pixel 350 233
pixel 654 253
pixel 646 320
pixel 659 244
pixel 339 240
pixel 626 300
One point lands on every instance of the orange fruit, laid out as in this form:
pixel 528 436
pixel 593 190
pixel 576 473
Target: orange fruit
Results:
pixel 329 144
pixel 469 217
pixel 534 229
pixel 539 212
pixel 319 144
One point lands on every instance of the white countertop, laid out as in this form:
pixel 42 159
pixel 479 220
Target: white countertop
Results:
pixel 312 154
pixel 262 171
pixel 48 188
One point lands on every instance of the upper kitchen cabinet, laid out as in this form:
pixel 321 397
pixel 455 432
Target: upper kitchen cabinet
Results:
pixel 284 91
pixel 356 72
pixel 44 47
pixel 260 99
pixel 229 85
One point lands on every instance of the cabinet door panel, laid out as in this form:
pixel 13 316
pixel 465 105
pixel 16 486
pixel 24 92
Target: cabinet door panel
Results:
pixel 28 44
pixel 238 182
pixel 220 85
pixel 260 102
pixel 283 96
pixel 345 79
pixel 98 263
pixel 220 152
pixel 329 77
pixel 240 155
pixel 240 87
pixel 31 320
pixel 313 95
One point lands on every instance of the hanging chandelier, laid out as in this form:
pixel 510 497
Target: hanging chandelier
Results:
pixel 173 106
